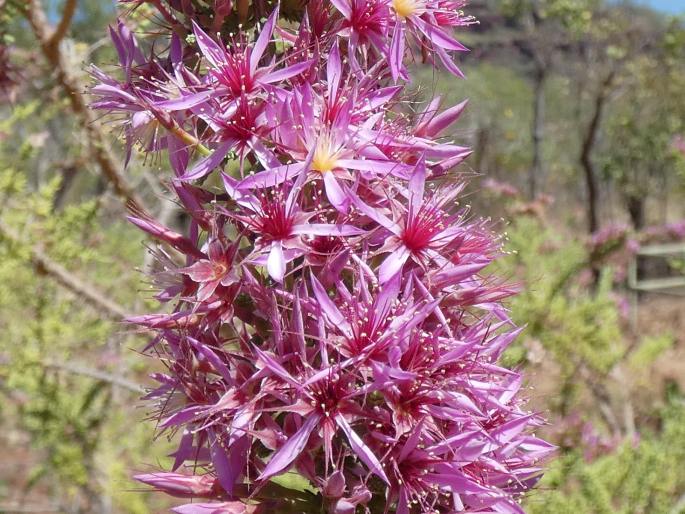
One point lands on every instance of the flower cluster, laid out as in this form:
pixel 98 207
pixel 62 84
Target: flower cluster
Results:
pixel 329 318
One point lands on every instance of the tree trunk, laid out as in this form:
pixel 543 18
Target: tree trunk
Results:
pixel 636 211
pixel 587 147
pixel 537 129
pixel 481 147
pixel 588 166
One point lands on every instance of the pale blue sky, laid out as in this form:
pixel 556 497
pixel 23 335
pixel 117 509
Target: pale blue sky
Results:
pixel 671 6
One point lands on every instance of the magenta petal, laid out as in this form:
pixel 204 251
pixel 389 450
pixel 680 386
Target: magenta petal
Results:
pixel 176 50
pixel 457 483
pixel 382 96
pixel 212 508
pixel 185 102
pixel 286 73
pixel 444 119
pixel 162 233
pixel 455 274
pixel 507 507
pixel 335 193
pixel 227 475
pixel 387 296
pixel 275 367
pixel 393 264
pixel 360 448
pixel 403 502
pixel 397 50
pixel 206 289
pixel 335 485
pixel 343 506
pixel 178 158
pixel 448 63
pixel 291 449
pixel 376 216
pixel 322 229
pixel 511 429
pixel 427 114
pixel 326 372
pixel 184 451
pixel 184 416
pixel 263 40
pixel 201 271
pixel 343 7
pixel 379 167
pixel 275 264
pixel 417 184
pixel 326 304
pixel 213 358
pixel 179 485
pixel 412 441
pixel 208 164
pixel 438 36
pixel 272 177
pixel 333 71
pixel 209 48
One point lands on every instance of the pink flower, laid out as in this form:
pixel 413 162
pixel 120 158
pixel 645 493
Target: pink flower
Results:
pixel 366 24
pixel 217 270
pixel 235 69
pixel 423 233
pixel 424 20
pixel 282 228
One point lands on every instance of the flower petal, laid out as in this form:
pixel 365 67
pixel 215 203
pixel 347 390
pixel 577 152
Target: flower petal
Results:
pixel 360 448
pixel 205 166
pixel 286 73
pixel 335 193
pixel 263 40
pixel 185 102
pixel 209 48
pixel 275 367
pixel 275 264
pixel 272 177
pixel 291 449
pixel 343 7
pixel 438 36
pixel 393 264
pixel 397 51
pixel 324 229
pixel 333 71
pixel 444 120
pixel 327 306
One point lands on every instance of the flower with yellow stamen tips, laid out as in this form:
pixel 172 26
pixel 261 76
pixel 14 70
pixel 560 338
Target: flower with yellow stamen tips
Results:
pixel 405 8
pixel 325 156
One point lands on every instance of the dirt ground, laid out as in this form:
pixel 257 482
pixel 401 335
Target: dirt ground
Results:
pixel 661 314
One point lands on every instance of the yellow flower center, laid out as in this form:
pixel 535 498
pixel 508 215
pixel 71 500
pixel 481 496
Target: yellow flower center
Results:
pixel 325 157
pixel 405 8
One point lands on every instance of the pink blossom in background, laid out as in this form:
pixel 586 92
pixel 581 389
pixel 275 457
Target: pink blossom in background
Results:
pixel 678 144
pixel 501 188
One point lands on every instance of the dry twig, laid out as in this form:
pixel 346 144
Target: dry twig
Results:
pixel 83 290
pixel 96 374
pixel 49 41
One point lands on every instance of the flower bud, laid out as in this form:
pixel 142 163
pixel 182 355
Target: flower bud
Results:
pixel 181 486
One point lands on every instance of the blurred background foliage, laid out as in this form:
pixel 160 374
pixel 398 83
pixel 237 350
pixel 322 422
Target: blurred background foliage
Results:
pixel 576 118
